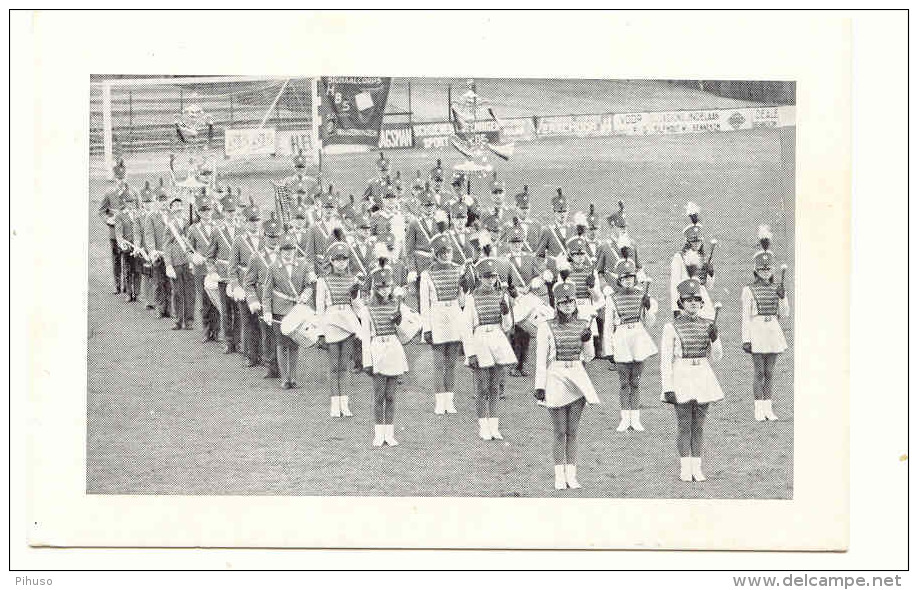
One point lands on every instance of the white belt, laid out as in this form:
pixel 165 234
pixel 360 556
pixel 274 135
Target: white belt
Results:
pixel 447 303
pixel 386 337
pixel 489 327
pixel 693 361
pixel 630 325
pixel 566 364
pixel 340 306
pixel 768 318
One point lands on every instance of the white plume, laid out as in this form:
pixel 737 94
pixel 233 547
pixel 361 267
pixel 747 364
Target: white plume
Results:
pixel 580 218
pixel 440 216
pixel 692 209
pixel 561 263
pixel 624 241
pixel 380 250
pixel 764 232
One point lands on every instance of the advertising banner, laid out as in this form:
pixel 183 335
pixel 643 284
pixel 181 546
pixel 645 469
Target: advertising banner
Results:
pixel 396 136
pixel 576 125
pixel 289 143
pixel 249 142
pixel 352 109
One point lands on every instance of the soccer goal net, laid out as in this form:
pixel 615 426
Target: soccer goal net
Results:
pixel 234 123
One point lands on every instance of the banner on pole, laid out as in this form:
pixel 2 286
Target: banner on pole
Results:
pixel 352 109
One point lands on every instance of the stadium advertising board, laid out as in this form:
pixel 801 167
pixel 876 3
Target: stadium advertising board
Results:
pixel 436 135
pixel 250 142
pixel 394 136
pixel 289 143
pixel 678 122
pixel 575 125
pixel 352 109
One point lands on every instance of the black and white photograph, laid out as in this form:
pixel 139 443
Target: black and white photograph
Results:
pixel 437 286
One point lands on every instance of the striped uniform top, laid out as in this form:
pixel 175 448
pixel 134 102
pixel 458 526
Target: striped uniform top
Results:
pixel 487 305
pixel 693 336
pixel 766 297
pixel 381 315
pixel 340 287
pixel 628 304
pixel 446 280
pixel 567 339
pixel 578 277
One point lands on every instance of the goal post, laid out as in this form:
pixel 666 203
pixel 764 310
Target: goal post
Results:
pixel 136 117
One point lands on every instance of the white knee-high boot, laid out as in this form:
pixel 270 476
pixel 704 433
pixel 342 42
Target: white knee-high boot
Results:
pixel 636 420
pixel 379 436
pixel 685 468
pixel 484 429
pixel 389 435
pixel 493 424
pixel 625 421
pixel 570 474
pixel 345 408
pixel 697 475
pixel 439 406
pixel 759 411
pixel 560 478
pixel 767 410
pixel 335 406
pixel 448 398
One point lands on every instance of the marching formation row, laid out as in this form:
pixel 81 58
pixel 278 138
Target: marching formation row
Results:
pixel 473 280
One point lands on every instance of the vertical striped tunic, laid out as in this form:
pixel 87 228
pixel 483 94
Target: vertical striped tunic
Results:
pixel 446 280
pixel 567 339
pixel 339 286
pixel 766 297
pixel 487 305
pixel 693 336
pixel 628 304
pixel 381 315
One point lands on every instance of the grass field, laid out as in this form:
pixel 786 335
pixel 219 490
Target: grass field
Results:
pixel 169 415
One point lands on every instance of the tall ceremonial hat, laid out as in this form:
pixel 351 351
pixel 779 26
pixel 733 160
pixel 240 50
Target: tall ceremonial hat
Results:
pixel 427 198
pixel 522 199
pixel 764 236
pixel 559 202
pixel 288 242
pixel 692 233
pixel 271 227
pixel 161 193
pixel 458 210
pixel 689 288
pixel 580 221
pixel 146 195
pixel 624 241
pixel 625 268
pixel 577 245
pixel 440 242
pixel 486 267
pixel 337 250
pixel 517 233
pixel 228 204
pixel 381 225
pixel 764 260
pixel 119 170
pixel 591 218
pixel 299 161
pixel 364 222
pixel 381 276
pixel 491 223
pixel 251 212
pixel 564 291
pixel 329 201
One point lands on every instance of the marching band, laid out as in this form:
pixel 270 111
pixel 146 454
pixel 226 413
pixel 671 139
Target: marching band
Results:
pixel 474 281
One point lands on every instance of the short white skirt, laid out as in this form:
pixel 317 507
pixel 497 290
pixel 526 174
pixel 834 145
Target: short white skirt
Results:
pixel 693 379
pixel 339 322
pixel 630 343
pixel 767 335
pixel 388 356
pixel 446 321
pixel 567 381
pixel 492 347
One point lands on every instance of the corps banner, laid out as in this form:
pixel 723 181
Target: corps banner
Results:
pixel 352 109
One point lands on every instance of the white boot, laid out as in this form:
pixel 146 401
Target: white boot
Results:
pixel 766 410
pixel 484 429
pixel 345 409
pixel 636 420
pixel 697 475
pixel 379 436
pixel 626 421
pixel 685 468
pixel 492 424
pixel 570 474
pixel 560 479
pixel 389 435
pixel 759 411
pixel 439 406
pixel 448 398
pixel 335 406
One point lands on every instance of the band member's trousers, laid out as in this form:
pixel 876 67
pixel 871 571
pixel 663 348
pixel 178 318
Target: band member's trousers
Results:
pixel 520 343
pixel 161 287
pixel 183 295
pixel 230 318
pixel 269 349
pixel 250 324
pixel 210 315
pixel 130 274
pixel 116 263
pixel 288 351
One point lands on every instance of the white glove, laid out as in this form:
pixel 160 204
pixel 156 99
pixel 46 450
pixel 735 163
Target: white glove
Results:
pixel 311 276
pixel 254 307
pixel 412 276
pixel 536 283
pixel 170 271
pixel 267 318
pixel 398 293
pixel 608 291
pixel 197 259
pixel 547 276
pixel 229 291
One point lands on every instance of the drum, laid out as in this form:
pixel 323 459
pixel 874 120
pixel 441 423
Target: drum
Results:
pixel 301 325
pixel 529 311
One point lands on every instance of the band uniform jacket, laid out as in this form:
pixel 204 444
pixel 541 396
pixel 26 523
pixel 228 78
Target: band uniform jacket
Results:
pixel 109 207
pixel 284 286
pixel 317 241
pixel 441 300
pixel 684 368
pixel 606 259
pixel 199 238
pixel 524 267
pixel 532 230
pixel 761 308
pixel 155 232
pixel 417 243
pixel 244 247
pixel 549 244
pixel 175 250
pixel 126 225
pixel 397 224
pixel 257 274
pixel 220 251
